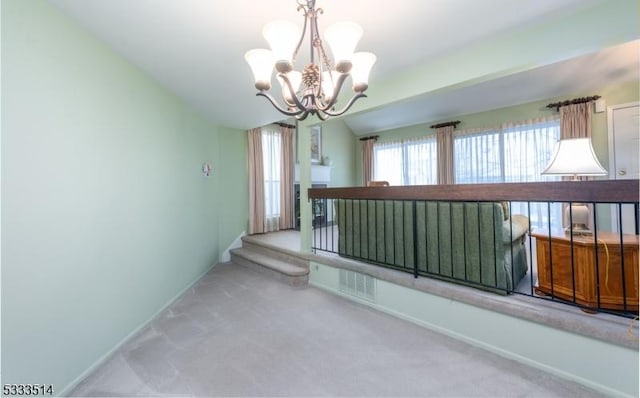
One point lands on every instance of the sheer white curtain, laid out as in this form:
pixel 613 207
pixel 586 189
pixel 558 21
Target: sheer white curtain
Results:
pixel 513 152
pixel 388 163
pixel 406 162
pixel 477 156
pixel 528 147
pixel 271 157
pixel 421 161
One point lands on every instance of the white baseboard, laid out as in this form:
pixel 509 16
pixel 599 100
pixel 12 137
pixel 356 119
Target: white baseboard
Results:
pixel 100 361
pixel 225 256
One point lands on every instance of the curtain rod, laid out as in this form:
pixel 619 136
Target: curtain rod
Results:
pixel 291 126
pixel 373 137
pixel 557 105
pixel 437 126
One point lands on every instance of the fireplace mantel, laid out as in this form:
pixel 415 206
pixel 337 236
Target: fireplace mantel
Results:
pixel 320 174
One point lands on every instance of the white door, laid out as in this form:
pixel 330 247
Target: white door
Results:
pixel 624 153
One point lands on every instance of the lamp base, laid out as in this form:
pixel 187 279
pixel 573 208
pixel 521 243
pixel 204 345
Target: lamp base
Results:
pixel 578 229
pixel 578 213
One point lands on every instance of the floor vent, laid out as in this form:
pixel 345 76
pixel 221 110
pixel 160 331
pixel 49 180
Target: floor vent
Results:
pixel 358 285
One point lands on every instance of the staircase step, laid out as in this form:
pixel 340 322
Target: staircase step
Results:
pixel 294 275
pixel 289 256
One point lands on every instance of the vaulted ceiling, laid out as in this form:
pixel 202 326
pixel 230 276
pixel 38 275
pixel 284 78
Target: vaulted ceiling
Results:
pixel 196 49
pixel 615 65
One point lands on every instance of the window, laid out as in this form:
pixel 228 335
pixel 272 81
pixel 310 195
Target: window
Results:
pixel 271 154
pixel 517 152
pixel 408 162
pixel 513 153
pixel 528 149
pixel 478 158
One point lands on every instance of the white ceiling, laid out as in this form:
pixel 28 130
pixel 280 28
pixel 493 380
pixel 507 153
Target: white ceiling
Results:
pixel 196 49
pixel 619 64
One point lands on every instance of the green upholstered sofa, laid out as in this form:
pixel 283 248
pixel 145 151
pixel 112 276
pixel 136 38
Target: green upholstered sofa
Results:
pixel 472 243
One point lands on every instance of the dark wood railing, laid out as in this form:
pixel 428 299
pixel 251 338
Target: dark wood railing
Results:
pixel 603 191
pixel 606 281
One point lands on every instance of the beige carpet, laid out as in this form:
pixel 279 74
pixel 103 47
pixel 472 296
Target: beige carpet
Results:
pixel 239 333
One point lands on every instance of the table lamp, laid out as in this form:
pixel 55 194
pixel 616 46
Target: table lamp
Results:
pixel 575 157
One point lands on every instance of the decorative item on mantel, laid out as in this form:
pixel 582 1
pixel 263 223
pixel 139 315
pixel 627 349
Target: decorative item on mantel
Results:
pixel 326 161
pixel 321 85
pixel 320 174
pixel 316 144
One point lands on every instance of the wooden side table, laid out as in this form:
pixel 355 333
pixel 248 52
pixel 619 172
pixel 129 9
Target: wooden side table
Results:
pixel 554 257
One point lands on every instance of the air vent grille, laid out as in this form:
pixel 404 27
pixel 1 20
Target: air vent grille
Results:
pixel 357 285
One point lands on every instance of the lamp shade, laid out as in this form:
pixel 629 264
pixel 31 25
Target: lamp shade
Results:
pixel 574 157
pixel 283 37
pixel 295 78
pixel 343 37
pixel 261 63
pixel 362 64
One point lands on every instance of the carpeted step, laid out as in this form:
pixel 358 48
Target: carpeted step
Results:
pixel 294 275
pixel 280 253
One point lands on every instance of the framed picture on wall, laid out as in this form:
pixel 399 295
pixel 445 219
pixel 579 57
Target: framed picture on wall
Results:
pixel 316 144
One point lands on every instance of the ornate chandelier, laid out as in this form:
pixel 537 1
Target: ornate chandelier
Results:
pixel 315 90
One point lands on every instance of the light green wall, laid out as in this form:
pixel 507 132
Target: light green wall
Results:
pixel 612 95
pixel 106 215
pixel 339 143
pixel 606 367
pixel 233 187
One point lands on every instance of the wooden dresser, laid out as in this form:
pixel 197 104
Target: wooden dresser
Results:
pixel 582 279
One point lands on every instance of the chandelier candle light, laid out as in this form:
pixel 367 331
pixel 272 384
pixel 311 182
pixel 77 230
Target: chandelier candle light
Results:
pixel 315 90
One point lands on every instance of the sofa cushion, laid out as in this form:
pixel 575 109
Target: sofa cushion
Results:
pixel 518 225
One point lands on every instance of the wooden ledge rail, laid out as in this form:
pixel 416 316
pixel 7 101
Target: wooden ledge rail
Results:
pixel 599 191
